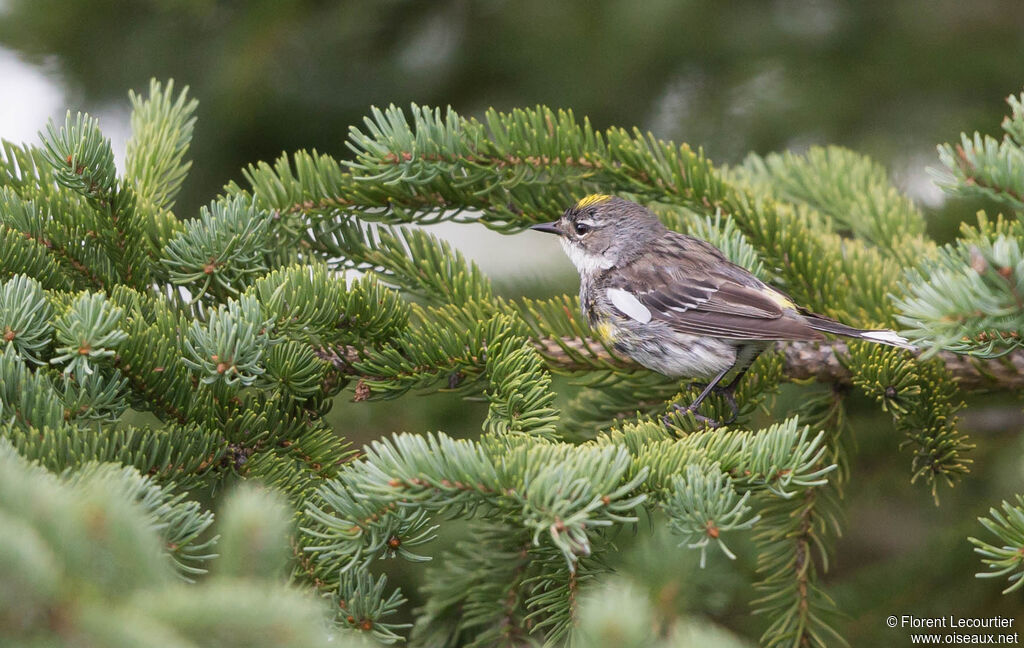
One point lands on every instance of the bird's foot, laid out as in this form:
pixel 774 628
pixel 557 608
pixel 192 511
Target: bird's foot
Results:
pixel 728 392
pixel 730 397
pixel 700 418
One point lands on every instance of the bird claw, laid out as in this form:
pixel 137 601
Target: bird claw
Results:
pixel 730 397
pixel 729 392
pixel 700 418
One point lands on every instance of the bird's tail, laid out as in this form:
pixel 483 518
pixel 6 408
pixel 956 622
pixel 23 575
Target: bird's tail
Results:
pixel 882 336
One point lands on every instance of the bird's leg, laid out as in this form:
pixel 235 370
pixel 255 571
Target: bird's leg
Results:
pixel 729 391
pixel 692 407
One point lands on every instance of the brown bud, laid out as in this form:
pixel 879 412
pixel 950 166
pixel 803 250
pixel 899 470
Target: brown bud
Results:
pixel 362 392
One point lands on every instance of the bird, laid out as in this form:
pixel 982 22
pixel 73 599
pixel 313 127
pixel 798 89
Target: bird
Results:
pixel 675 304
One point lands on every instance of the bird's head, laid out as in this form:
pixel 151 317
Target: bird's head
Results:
pixel 602 231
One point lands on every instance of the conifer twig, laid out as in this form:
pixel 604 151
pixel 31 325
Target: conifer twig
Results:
pixel 817 361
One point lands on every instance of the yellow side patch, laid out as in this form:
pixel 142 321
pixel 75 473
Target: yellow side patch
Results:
pixel 606 331
pixel 780 299
pixel 592 199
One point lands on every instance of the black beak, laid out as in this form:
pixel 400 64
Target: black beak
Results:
pixel 550 228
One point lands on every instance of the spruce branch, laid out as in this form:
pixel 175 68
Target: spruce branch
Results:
pixel 230 347
pixel 555 589
pixel 24 169
pixel 84 163
pixel 155 164
pixel 88 334
pixel 222 251
pixel 305 181
pixel 783 467
pixel 1008 559
pixel 476 596
pixel 295 457
pixel 984 166
pixel 25 314
pixel 448 346
pixel 179 522
pixel 94 397
pixel 790 548
pixel 28 400
pixel 28 248
pixel 26 256
pixel 21 214
pixel 418 262
pixel 558 492
pixel 294 371
pixel 58 251
pixel 782 459
pixel 703 504
pixel 848 188
pixel 1013 123
pixel 182 455
pixel 797 535
pixel 100 538
pixel 365 608
pixel 922 400
pixel 561 495
pixel 151 358
pixel 971 299
pixel 313 305
pixel 82 157
pixel 516 167
pixel 820 361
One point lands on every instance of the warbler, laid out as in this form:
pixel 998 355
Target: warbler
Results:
pixel 674 303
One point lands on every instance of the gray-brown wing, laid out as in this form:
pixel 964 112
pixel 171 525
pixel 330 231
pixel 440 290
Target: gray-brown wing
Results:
pixel 704 297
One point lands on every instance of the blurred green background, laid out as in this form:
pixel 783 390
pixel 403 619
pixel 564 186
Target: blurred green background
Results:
pixel 890 79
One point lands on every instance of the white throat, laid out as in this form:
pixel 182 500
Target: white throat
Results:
pixel 585 262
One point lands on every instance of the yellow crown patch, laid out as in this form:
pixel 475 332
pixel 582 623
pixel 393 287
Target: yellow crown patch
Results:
pixel 592 199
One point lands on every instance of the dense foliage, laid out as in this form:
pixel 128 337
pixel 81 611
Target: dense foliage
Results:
pixel 237 330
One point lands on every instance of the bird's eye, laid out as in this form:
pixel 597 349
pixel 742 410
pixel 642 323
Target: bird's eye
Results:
pixel 581 228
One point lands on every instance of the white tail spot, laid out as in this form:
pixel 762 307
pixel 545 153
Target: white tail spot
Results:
pixel 890 338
